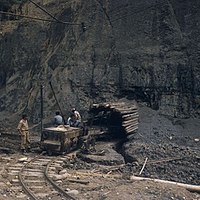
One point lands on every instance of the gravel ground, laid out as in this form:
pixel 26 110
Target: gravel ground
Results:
pixel 171 146
pixel 172 150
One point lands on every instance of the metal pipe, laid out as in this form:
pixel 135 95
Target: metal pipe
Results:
pixel 48 13
pixel 57 101
pixel 29 17
pixel 41 108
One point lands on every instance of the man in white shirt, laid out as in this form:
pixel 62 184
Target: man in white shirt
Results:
pixel 77 116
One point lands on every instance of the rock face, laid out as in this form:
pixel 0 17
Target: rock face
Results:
pixel 145 50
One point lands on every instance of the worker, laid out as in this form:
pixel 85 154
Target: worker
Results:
pixel 71 121
pixel 58 119
pixel 77 117
pixel 24 133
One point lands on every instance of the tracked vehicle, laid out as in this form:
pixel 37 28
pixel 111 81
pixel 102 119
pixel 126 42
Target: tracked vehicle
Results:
pixel 119 119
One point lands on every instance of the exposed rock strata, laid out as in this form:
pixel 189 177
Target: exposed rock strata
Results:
pixel 145 50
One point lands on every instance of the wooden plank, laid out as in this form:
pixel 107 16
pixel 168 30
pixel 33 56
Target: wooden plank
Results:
pixel 130 117
pixel 129 111
pixel 124 109
pixel 129 121
pixel 133 124
pixel 130 114
pixel 78 181
pixel 114 104
pixel 131 130
pixel 192 188
pixel 131 127
pixel 97 175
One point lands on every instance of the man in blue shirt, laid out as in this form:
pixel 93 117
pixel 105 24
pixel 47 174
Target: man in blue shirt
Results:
pixel 58 120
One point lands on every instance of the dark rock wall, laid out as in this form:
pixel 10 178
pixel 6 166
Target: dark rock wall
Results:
pixel 146 50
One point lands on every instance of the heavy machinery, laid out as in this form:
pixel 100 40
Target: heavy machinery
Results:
pixel 118 118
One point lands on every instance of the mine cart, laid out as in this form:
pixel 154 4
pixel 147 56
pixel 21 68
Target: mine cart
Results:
pixel 61 139
pixel 117 119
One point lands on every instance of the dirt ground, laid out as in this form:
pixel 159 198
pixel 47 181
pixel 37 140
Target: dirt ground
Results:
pixel 170 146
pixel 174 140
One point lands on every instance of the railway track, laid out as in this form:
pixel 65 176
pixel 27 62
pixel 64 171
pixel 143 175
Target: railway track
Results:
pixel 9 172
pixel 33 177
pixel 30 179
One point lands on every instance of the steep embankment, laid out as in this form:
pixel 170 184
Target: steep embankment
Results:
pixel 146 50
